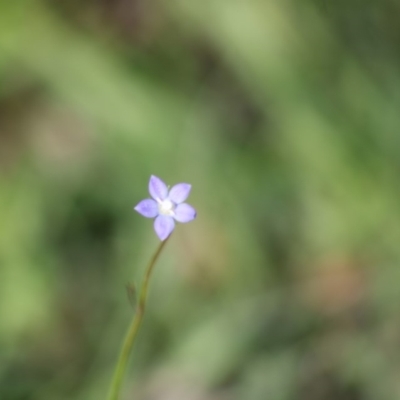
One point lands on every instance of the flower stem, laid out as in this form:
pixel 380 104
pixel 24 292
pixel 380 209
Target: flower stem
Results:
pixel 133 328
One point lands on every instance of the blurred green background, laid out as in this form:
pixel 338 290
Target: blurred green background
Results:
pixel 285 118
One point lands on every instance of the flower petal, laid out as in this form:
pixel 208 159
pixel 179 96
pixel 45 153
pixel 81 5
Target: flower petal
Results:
pixel 179 192
pixel 157 188
pixel 148 208
pixel 164 225
pixel 184 213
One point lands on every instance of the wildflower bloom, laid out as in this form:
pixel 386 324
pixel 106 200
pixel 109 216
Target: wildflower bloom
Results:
pixel 166 206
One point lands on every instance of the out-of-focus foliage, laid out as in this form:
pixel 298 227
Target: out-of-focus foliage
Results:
pixel 283 115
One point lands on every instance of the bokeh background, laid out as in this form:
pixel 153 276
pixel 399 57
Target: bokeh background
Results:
pixel 285 118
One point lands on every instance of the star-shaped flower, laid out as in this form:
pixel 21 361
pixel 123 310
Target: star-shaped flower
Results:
pixel 166 206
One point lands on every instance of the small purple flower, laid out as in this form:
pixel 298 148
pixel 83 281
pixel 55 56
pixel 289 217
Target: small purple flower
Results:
pixel 166 206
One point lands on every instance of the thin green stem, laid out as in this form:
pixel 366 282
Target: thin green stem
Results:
pixel 129 341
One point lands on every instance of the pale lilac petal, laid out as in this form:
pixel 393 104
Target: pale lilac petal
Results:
pixel 184 213
pixel 164 225
pixel 148 208
pixel 157 188
pixel 179 192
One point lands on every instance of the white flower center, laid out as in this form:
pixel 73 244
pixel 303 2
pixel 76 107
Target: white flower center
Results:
pixel 166 207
